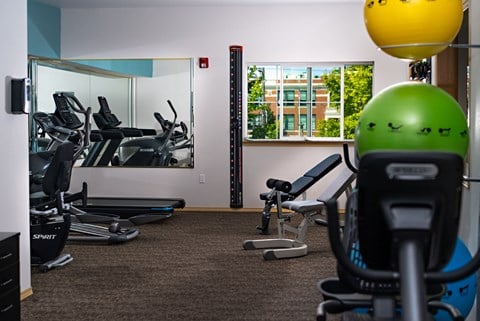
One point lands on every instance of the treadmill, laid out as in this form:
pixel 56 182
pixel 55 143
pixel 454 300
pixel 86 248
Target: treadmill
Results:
pixel 137 210
pixel 102 152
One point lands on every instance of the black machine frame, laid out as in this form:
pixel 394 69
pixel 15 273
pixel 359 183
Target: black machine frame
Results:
pixel 407 207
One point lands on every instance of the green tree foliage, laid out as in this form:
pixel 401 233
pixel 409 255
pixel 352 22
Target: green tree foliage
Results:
pixel 256 78
pixel 257 108
pixel 329 127
pixel 357 92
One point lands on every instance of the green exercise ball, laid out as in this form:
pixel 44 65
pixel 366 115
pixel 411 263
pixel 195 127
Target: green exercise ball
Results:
pixel 412 116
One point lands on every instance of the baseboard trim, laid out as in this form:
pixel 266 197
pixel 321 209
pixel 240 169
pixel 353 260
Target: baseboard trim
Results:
pixel 219 209
pixel 234 210
pixel 26 293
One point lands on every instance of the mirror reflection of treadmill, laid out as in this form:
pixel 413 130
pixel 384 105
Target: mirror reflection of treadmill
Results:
pixel 138 210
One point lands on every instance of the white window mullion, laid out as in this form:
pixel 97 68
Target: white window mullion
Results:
pixel 280 101
pixel 342 91
pixel 309 103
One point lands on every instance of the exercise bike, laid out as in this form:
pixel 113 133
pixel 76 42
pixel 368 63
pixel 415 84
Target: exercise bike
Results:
pixel 49 229
pixel 400 231
pixel 61 126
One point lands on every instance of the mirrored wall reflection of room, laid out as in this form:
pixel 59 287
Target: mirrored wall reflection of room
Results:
pixel 154 94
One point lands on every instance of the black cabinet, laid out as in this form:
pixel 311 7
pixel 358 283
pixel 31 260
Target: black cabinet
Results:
pixel 9 276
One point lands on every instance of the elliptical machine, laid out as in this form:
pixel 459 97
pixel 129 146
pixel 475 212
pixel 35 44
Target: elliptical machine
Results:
pixel 145 150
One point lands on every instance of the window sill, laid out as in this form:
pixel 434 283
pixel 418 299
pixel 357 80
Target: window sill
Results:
pixel 299 141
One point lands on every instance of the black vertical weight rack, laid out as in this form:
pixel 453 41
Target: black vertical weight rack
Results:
pixel 236 200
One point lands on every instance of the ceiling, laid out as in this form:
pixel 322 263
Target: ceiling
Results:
pixel 161 3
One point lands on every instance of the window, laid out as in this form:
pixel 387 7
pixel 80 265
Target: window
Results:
pixel 289 98
pixel 303 97
pixel 314 101
pixel 303 122
pixel 288 123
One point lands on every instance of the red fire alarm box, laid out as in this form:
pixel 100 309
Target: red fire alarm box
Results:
pixel 203 62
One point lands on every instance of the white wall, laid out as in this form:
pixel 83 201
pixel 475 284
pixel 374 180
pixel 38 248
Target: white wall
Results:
pixel 170 81
pixel 14 215
pixel 51 80
pixel 290 33
pixel 86 88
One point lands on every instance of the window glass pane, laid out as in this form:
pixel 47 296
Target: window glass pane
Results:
pixel 288 124
pixel 303 124
pixel 357 92
pixel 303 96
pixel 288 97
pixel 327 84
pixel 304 119
pixel 317 101
pixel 262 82
pixel 295 80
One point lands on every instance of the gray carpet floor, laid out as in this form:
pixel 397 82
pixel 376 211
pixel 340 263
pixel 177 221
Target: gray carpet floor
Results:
pixel 189 267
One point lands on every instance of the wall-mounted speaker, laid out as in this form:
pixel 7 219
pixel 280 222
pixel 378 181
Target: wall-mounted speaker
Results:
pixel 21 97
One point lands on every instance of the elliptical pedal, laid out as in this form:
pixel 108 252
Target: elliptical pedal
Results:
pixel 114 234
pixel 60 261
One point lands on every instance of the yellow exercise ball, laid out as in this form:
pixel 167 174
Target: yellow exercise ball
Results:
pixel 413 29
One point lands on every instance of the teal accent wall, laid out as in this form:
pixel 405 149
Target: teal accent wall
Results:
pixel 44 36
pixel 44 26
pixel 133 67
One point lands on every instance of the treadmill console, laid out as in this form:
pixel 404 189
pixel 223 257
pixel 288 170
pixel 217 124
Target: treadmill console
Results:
pixel 106 112
pixel 64 112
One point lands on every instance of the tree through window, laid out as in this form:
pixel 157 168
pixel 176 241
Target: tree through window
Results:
pixel 321 101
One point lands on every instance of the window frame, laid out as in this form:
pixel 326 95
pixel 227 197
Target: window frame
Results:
pixel 310 105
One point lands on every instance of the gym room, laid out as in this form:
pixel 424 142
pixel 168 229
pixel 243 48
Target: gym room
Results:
pixel 248 103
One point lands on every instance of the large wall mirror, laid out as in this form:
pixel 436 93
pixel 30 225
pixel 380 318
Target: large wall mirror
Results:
pixel 153 96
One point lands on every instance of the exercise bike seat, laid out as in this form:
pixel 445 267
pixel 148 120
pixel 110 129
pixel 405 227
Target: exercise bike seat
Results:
pixel 57 175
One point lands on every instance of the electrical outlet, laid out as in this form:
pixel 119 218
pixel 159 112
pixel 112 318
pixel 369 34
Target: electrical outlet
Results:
pixel 201 178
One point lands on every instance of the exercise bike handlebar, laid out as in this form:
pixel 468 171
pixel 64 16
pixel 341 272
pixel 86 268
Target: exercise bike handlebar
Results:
pixel 346 157
pixel 76 106
pixel 171 129
pixel 87 127
pixel 173 110
pixel 341 255
pixel 381 275
pixel 472 266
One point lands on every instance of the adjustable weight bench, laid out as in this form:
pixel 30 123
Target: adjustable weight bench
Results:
pixel 342 184
pixel 275 197
pixel 282 247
